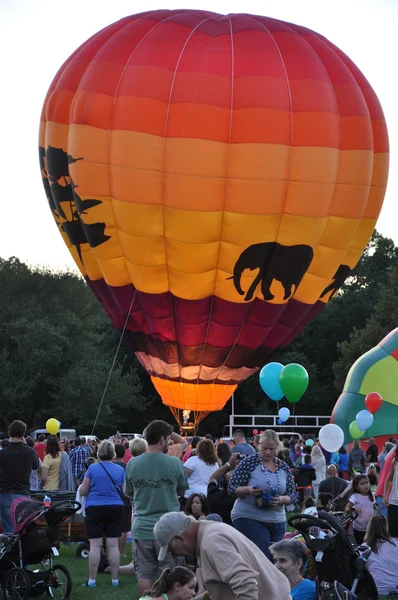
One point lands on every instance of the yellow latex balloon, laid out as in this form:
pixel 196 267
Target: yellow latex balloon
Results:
pixel 52 426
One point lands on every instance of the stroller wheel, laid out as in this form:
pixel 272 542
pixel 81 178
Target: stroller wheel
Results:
pixel 16 584
pixel 83 550
pixel 60 583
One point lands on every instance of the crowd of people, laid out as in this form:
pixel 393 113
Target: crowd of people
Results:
pixel 207 519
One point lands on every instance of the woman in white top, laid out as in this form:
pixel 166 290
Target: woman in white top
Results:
pixel 319 463
pixel 200 468
pixel 383 560
pixel 391 500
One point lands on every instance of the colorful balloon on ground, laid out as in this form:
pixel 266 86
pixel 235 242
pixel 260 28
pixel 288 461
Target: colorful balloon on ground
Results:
pixel 294 382
pixel 364 420
pixel 269 380
pixel 52 426
pixel 355 432
pixel 331 437
pixel 374 371
pixel 215 178
pixel 284 414
pixel 373 402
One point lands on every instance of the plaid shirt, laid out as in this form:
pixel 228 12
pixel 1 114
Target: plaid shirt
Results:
pixel 78 457
pixel 241 475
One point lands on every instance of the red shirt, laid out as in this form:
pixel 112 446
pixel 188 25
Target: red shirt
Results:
pixel 40 448
pixel 127 456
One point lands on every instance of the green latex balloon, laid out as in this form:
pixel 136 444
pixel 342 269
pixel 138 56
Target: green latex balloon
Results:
pixel 293 381
pixel 355 432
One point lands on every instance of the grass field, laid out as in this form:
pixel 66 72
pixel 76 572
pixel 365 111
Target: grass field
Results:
pixel 78 568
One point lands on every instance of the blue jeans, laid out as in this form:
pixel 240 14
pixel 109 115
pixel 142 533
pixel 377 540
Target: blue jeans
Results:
pixel 5 511
pixel 261 533
pixel 382 507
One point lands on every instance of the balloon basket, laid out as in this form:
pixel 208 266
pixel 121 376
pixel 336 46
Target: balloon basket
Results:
pixel 195 418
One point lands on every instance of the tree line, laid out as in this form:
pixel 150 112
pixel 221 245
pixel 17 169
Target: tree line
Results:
pixel 57 348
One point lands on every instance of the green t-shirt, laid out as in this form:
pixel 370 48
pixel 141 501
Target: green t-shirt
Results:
pixel 153 479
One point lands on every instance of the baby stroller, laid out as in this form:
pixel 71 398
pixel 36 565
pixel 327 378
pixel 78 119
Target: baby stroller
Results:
pixel 33 543
pixel 335 558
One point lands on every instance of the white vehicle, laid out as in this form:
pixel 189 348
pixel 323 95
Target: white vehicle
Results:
pixel 64 434
pixel 89 438
pixel 131 436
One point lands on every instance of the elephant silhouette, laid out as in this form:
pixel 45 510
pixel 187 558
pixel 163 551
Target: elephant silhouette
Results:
pixel 338 279
pixel 287 264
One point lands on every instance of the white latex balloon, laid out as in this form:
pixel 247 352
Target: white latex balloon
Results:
pixel 331 437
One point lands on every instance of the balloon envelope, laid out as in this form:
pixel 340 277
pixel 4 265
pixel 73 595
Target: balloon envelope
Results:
pixel 284 413
pixel 269 380
pixel 293 381
pixel 309 443
pixel 355 432
pixel 364 420
pixel 255 431
pixel 331 437
pixel 373 402
pixel 52 426
pixel 279 421
pixel 177 152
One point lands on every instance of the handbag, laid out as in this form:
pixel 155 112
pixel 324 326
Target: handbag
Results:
pixel 114 483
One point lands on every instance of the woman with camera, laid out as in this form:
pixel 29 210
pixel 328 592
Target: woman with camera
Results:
pixel 263 486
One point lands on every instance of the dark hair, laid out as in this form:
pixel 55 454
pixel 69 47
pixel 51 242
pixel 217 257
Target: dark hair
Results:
pixel 120 450
pixel 373 479
pixel 309 502
pixel 377 533
pixel 203 500
pixel 195 441
pixel 157 430
pixel 29 441
pixel 41 437
pixel 307 450
pixel 307 459
pixel 78 442
pixel 285 443
pixel 168 578
pixel 90 461
pixel 223 453
pixel 126 444
pixel 355 484
pixel 53 447
pixel 324 498
pixel 343 450
pixel 208 436
pixel 205 451
pixel 17 429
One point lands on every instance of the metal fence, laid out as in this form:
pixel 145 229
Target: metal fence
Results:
pixel 295 424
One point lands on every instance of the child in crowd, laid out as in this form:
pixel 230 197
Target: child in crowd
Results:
pixel 361 502
pixel 305 476
pixel 197 506
pixel 310 508
pixel 323 501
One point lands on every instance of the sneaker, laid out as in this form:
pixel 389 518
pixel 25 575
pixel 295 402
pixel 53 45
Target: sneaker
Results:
pixel 89 585
pixel 116 583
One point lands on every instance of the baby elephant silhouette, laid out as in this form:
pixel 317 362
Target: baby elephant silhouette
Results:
pixel 287 264
pixel 338 279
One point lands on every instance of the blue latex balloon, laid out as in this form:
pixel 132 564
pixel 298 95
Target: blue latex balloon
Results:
pixel 364 420
pixel 60 424
pixel 279 421
pixel 284 414
pixel 269 381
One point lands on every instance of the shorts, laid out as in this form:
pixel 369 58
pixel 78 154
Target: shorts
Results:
pixel 146 559
pixel 126 524
pixel 104 521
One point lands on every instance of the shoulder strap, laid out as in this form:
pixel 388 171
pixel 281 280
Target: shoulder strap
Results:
pixel 113 481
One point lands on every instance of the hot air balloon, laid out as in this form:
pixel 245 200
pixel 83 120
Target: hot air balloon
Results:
pixel 215 178
pixel 374 371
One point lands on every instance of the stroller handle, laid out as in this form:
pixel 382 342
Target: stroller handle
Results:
pixel 70 505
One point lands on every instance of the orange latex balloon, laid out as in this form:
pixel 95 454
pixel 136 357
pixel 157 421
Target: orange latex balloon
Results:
pixel 215 178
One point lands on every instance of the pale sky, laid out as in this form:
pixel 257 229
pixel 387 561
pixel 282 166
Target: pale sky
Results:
pixel 37 36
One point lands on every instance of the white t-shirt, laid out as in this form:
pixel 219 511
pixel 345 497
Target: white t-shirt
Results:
pixel 199 479
pixel 383 567
pixel 366 506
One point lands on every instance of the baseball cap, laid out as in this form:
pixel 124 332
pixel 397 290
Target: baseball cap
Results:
pixel 168 526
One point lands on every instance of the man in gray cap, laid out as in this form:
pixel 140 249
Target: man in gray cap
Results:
pixel 232 567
